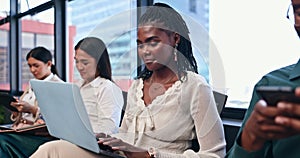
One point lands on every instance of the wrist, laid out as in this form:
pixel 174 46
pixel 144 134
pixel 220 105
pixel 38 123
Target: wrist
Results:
pixel 251 142
pixel 34 111
pixel 143 154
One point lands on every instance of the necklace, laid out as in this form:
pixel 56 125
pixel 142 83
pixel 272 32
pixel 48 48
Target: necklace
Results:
pixel 157 88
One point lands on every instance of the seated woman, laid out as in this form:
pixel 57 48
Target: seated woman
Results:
pixel 102 97
pixel 169 104
pixel 21 145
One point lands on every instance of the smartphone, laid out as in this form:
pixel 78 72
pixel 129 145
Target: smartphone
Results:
pixel 6 99
pixel 274 94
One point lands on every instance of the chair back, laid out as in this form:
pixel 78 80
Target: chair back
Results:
pixel 220 100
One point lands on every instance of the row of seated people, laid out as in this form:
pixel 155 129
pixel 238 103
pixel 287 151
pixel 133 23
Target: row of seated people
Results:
pixel 168 105
pixel 168 89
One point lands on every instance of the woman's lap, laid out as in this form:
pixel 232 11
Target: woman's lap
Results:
pixel 62 148
pixel 19 144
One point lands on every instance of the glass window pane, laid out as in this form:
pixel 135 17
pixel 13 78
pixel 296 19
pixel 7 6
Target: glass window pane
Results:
pixel 249 43
pixel 27 40
pixel 35 32
pixel 45 40
pixel 4 8
pixel 91 18
pixel 29 4
pixel 4 62
pixel 4 39
pixel 46 17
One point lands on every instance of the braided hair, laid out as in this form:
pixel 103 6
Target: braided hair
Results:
pixel 172 21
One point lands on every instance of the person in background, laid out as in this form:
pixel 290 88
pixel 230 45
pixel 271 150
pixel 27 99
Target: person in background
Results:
pixel 103 99
pixel 272 131
pixel 168 105
pixel 21 145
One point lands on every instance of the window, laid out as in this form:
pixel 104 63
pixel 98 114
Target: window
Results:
pixel 4 60
pixel 234 45
pixel 29 4
pixel 4 8
pixel 193 6
pixel 252 39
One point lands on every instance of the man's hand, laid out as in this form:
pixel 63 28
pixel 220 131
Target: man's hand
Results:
pixel 292 118
pixel 265 124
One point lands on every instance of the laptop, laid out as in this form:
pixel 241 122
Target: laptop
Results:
pixel 65 115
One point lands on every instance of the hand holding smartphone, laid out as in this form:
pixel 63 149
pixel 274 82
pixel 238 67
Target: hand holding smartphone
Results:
pixel 6 99
pixel 274 94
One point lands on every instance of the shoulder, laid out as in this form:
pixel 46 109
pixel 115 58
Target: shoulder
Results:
pixel 278 76
pixel 136 83
pixel 284 71
pixel 56 78
pixel 104 87
pixel 105 83
pixel 194 79
pixel 135 88
pixel 195 86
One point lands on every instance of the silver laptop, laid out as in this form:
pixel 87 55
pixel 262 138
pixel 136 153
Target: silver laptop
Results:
pixel 65 115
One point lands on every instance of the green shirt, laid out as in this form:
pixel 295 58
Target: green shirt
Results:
pixel 288 147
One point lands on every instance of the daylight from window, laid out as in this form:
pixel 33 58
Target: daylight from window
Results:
pixel 251 42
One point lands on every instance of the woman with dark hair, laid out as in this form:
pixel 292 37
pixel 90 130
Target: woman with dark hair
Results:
pixel 96 49
pixel 102 98
pixel 44 55
pixel 21 145
pixel 169 105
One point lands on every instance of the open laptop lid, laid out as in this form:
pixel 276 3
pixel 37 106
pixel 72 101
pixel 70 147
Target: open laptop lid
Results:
pixel 65 115
pixel 64 112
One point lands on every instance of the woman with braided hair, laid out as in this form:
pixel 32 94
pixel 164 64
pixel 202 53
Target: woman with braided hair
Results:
pixel 168 105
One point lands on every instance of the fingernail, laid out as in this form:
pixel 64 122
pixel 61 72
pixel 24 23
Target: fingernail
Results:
pixel 283 105
pixel 263 103
pixel 280 120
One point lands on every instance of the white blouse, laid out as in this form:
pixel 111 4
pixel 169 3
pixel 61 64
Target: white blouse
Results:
pixel 104 102
pixel 186 111
pixel 30 98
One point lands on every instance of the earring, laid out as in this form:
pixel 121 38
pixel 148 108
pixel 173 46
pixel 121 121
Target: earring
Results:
pixel 175 52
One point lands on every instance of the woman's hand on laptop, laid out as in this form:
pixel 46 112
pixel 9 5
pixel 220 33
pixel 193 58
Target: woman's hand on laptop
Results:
pixel 102 135
pixel 118 145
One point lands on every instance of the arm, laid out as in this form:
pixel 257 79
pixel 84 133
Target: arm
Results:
pixel 197 96
pixel 23 106
pixel 109 107
pixel 195 104
pixel 208 125
pixel 260 127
